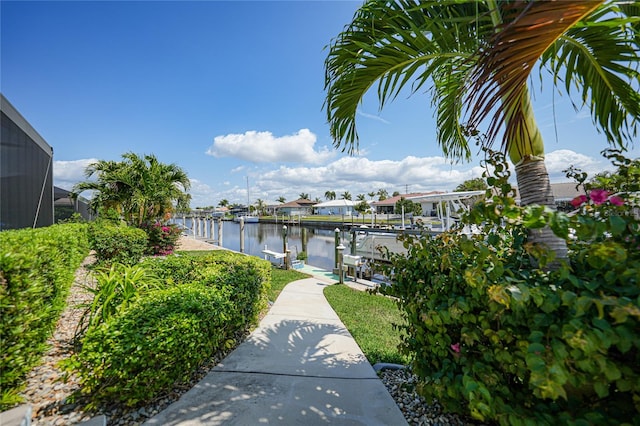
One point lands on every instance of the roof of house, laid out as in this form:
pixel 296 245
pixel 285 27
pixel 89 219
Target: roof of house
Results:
pixel 337 203
pixel 299 203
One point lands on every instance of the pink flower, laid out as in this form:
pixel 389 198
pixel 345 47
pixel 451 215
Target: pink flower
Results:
pixel 456 348
pixel 579 200
pixel 616 201
pixel 598 196
pixel 165 229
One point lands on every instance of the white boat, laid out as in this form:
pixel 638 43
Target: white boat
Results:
pixel 373 243
pixel 247 219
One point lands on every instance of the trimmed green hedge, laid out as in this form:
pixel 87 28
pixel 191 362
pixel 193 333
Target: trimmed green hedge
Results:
pixel 117 243
pixel 165 335
pixel 37 269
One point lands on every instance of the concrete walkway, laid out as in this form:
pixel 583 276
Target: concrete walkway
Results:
pixel 299 367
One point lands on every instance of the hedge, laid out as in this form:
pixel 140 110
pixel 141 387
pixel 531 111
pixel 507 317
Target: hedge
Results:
pixel 37 269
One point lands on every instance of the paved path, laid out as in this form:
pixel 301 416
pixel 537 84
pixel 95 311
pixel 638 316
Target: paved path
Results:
pixel 299 367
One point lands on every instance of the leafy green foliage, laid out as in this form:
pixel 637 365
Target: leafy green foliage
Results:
pixel 496 335
pixel 143 340
pixel 117 243
pixel 36 271
pixel 159 341
pixel 116 287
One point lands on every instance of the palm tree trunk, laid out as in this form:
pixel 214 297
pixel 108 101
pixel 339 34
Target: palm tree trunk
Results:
pixel 534 188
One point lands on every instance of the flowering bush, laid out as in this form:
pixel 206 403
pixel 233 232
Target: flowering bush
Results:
pixel 495 335
pixel 162 238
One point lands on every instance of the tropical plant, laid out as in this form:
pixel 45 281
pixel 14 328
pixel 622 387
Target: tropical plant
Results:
pixel 223 203
pixel 361 197
pixel 410 207
pixel 480 54
pixel 304 195
pixel 371 195
pixel 261 207
pixel 382 194
pixel 140 189
pixel 281 199
pixel 330 195
pixel 346 195
pixel 476 184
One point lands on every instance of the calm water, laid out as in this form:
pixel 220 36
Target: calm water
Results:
pixel 319 243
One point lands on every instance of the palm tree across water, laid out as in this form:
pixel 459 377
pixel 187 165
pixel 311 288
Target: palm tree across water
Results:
pixel 141 189
pixel 475 58
pixel 330 195
pixel 346 195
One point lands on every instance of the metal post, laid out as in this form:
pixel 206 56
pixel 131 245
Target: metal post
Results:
pixel 241 234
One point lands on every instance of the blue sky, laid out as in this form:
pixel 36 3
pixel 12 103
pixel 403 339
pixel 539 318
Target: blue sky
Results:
pixel 230 92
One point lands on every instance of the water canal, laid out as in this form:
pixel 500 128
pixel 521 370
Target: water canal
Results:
pixel 319 243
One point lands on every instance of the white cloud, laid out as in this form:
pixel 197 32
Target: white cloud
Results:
pixel 264 147
pixel 557 161
pixel 68 173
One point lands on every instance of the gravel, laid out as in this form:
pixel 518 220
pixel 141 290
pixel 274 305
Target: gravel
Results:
pixel 51 392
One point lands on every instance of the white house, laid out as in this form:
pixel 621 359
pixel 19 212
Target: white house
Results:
pixel 336 207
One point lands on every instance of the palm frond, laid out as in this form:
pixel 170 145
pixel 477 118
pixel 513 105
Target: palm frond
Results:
pixel 400 46
pixel 498 85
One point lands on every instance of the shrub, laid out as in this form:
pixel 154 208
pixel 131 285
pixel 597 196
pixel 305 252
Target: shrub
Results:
pixel 161 238
pixel 116 287
pixel 148 344
pixel 495 335
pixel 36 271
pixel 117 243
pixel 158 342
pixel 245 279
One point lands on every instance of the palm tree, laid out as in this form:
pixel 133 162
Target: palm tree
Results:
pixel 330 195
pixel 281 199
pixel 223 203
pixel 303 195
pixel 371 195
pixel 361 197
pixel 141 189
pixel 382 194
pixel 346 195
pixel 480 53
pixel 261 207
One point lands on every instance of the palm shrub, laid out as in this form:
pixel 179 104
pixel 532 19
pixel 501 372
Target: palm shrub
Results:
pixel 495 333
pixel 116 287
pixel 36 271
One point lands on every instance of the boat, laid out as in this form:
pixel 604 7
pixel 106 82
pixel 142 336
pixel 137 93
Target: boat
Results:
pixel 247 218
pixel 372 243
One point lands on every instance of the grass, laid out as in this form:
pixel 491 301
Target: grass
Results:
pixel 369 318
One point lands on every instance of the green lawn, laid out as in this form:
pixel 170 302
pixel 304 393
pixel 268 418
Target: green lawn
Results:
pixel 369 318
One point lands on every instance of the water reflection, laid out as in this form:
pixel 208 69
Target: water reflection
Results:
pixel 318 243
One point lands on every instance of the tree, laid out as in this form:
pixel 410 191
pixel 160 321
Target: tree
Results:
pixel 410 207
pixel 476 184
pixel 395 193
pixel 361 197
pixel 281 199
pixel 223 203
pixel 304 196
pixel 330 195
pixel 371 195
pixel 261 207
pixel 346 195
pixel 140 189
pixel 382 194
pixel 477 56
